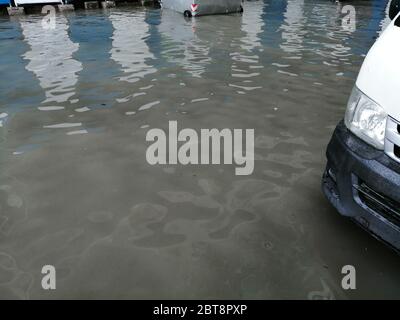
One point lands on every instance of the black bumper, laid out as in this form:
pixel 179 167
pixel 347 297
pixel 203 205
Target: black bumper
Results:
pixel 363 183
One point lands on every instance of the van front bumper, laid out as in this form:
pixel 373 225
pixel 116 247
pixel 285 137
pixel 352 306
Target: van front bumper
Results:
pixel 363 183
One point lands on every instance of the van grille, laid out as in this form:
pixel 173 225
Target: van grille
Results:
pixel 392 139
pixel 379 203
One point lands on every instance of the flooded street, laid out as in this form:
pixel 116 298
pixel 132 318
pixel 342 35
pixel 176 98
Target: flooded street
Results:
pixel 77 192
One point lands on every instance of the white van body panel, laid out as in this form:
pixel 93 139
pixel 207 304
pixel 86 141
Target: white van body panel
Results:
pixel 379 77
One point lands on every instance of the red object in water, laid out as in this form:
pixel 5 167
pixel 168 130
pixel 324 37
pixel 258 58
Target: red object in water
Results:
pixel 194 7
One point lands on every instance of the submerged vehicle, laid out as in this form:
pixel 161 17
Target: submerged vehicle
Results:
pixel 191 8
pixel 362 177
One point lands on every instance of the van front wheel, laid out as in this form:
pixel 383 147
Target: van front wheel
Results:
pixel 187 14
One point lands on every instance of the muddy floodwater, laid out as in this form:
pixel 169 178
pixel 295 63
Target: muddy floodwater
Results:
pixel 76 191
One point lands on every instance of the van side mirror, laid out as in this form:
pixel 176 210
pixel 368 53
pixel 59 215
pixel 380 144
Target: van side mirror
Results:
pixel 394 9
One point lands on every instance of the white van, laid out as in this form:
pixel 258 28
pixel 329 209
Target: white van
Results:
pixel 362 178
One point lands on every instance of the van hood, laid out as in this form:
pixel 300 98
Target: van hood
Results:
pixel 379 77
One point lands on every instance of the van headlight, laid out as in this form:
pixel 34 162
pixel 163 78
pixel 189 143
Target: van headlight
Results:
pixel 366 119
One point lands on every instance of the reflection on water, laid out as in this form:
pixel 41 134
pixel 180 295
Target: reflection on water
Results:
pixel 76 190
pixel 183 45
pixel 246 61
pixel 50 58
pixel 130 49
pixel 293 29
pixel 252 26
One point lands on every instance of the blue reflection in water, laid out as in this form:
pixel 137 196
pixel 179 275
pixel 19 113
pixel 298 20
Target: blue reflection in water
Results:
pixel 93 31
